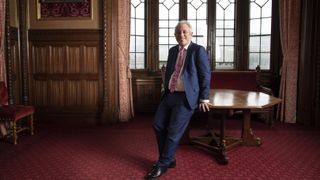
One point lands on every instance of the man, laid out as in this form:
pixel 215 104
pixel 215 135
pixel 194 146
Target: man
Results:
pixel 187 86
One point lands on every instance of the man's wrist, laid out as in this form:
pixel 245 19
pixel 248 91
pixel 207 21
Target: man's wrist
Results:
pixel 204 100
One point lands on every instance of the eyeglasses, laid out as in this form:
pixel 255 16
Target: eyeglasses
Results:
pixel 182 32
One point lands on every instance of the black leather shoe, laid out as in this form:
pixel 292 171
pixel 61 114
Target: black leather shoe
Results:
pixel 155 173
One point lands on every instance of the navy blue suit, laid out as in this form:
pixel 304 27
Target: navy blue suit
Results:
pixel 176 109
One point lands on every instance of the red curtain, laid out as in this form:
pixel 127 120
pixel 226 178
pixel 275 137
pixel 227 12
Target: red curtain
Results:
pixel 290 40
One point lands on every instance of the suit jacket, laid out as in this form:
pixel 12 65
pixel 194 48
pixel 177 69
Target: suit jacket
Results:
pixel 195 74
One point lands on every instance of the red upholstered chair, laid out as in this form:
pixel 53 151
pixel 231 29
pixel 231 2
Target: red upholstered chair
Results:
pixel 11 114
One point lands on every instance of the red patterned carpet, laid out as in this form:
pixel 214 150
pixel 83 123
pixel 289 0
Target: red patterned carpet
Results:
pixel 127 151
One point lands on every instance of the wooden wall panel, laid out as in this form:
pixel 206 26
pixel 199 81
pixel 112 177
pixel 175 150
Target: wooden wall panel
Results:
pixel 146 91
pixel 16 72
pixel 41 91
pixel 65 73
pixel 74 63
pixel 91 60
pixel 56 94
pixel 55 59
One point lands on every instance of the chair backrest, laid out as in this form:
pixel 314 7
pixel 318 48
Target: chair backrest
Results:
pixel 239 80
pixel 3 94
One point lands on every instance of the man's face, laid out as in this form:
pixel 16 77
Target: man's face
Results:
pixel 183 35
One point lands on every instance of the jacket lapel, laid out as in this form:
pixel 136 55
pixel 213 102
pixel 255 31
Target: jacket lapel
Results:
pixel 187 59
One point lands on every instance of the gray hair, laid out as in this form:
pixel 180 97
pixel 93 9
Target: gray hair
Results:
pixel 181 23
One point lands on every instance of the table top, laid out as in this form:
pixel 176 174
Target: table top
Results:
pixel 236 99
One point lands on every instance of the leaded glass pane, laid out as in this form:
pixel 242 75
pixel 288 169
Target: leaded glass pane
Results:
pixel 260 34
pixel 163 40
pixel 219 53
pixel 132 45
pixel 163 32
pixel 219 42
pixel 261 3
pixel 229 41
pixel 229 32
pixel 265 43
pixel 219 13
pixel 202 12
pixel 197 16
pixel 163 52
pixel 172 41
pixel 266 26
pixel 140 44
pixel 255 26
pixel 254 59
pixel 163 24
pixel 225 40
pixel 229 54
pixel 164 12
pixel 266 10
pixel 139 26
pixel 132 26
pixel 140 11
pixel 192 12
pixel 254 11
pixel 140 61
pixel 219 25
pixel 137 35
pixel 254 44
pixel 265 61
pixel 229 12
pixel 168 18
pixel 229 24
pixel 219 32
pixel 224 65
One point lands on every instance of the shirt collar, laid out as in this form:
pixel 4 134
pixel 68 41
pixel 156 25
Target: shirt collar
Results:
pixel 186 46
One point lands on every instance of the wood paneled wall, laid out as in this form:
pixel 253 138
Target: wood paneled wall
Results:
pixel 15 68
pixel 64 72
pixel 146 89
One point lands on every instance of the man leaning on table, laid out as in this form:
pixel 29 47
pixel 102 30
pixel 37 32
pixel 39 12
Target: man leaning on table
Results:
pixel 187 86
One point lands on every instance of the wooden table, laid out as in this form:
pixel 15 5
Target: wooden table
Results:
pixel 225 100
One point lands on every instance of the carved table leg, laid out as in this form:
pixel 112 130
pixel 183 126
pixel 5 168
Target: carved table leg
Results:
pixel 215 144
pixel 248 138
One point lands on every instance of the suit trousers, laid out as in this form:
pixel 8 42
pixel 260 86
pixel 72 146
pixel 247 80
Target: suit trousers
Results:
pixel 171 120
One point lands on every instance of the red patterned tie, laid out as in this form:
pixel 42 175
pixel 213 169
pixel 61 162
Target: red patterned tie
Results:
pixel 175 76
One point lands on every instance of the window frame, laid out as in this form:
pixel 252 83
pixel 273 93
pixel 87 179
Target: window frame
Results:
pixel 241 35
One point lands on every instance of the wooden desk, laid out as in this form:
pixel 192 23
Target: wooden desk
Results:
pixel 225 100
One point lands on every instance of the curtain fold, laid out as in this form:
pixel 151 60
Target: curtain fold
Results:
pixel 123 42
pixel 2 40
pixel 290 40
pixel 3 130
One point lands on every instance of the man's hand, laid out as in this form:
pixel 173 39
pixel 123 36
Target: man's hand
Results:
pixel 203 106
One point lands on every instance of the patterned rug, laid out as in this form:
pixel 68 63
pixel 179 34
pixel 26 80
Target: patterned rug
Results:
pixel 128 150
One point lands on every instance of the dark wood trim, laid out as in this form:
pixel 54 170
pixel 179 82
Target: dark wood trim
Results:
pixel 241 35
pixel 57 35
pixel 152 41
pixel 23 39
pixel 61 76
pixel 8 53
pixel 211 32
pixel 183 12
